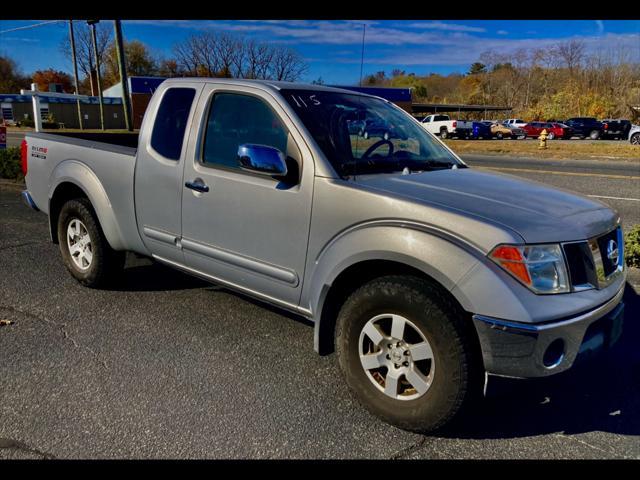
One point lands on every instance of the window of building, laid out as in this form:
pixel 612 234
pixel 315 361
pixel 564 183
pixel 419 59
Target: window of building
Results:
pixel 7 112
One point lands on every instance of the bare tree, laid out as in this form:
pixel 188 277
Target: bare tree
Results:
pixel 84 46
pixel 572 53
pixel 287 65
pixel 224 55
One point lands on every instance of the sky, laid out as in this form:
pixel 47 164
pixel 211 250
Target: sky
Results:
pixel 333 48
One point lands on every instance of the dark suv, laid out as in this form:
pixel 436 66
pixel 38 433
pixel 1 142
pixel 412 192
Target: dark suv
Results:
pixel 586 127
pixel 616 128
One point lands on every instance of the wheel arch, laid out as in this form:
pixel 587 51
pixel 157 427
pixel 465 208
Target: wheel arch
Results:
pixel 357 259
pixel 72 179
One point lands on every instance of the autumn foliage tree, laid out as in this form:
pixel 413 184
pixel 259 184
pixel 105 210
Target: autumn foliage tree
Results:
pixel 45 77
pixel 557 82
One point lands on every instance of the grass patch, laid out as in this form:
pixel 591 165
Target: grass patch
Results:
pixel 632 246
pixel 10 163
pixel 558 149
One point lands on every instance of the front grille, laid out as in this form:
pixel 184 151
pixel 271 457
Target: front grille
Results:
pixel 603 243
pixel 588 261
pixel 580 262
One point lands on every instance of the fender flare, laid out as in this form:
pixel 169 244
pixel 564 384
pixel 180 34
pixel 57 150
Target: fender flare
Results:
pixel 80 175
pixel 418 246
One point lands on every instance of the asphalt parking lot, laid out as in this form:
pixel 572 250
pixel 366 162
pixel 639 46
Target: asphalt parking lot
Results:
pixel 169 366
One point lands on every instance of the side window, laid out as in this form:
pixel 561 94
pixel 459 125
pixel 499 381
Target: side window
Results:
pixel 171 122
pixel 235 119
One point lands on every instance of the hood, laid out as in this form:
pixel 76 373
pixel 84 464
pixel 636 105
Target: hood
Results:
pixel 538 213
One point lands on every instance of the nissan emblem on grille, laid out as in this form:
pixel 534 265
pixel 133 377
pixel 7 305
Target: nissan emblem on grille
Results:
pixel 612 252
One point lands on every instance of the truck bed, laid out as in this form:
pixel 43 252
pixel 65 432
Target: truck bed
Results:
pixel 105 171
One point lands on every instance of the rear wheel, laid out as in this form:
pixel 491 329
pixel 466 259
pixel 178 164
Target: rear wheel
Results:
pixel 551 136
pixel 407 353
pixel 444 133
pixel 85 250
pixel 594 135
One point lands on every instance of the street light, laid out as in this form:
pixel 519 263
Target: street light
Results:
pixel 92 24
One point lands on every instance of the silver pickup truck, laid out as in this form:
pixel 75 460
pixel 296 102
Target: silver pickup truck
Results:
pixel 423 275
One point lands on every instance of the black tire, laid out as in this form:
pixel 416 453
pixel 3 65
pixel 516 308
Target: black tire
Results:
pixel 551 136
pixel 458 373
pixel 499 136
pixel 594 135
pixel 444 134
pixel 106 262
pixel 635 139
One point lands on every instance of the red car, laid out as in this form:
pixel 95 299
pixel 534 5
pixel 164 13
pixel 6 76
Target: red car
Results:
pixel 554 130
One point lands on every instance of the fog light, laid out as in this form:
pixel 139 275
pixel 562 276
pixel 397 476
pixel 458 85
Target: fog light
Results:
pixel 554 354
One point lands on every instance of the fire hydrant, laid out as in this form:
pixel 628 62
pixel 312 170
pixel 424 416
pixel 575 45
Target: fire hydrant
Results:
pixel 543 140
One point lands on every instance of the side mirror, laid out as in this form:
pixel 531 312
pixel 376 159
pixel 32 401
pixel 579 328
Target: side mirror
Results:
pixel 262 159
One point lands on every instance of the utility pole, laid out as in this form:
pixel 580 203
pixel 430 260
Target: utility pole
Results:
pixel 92 24
pixel 75 70
pixel 123 74
pixel 364 26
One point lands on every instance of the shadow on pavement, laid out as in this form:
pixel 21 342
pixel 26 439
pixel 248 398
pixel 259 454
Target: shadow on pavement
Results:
pixel 602 394
pixel 146 275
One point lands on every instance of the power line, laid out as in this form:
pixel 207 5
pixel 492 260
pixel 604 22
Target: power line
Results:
pixel 32 26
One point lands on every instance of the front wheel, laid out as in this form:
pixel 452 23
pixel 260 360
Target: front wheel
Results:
pixel 407 353
pixel 635 139
pixel 85 250
pixel 551 136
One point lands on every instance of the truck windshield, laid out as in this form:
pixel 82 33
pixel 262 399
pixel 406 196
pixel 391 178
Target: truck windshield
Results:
pixel 364 135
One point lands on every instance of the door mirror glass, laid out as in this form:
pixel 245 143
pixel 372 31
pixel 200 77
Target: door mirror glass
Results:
pixel 262 159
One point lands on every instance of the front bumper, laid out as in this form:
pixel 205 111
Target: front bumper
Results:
pixel 525 350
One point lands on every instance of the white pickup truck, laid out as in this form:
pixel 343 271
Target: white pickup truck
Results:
pixel 440 125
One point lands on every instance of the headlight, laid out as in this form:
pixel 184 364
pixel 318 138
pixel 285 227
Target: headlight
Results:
pixel 539 267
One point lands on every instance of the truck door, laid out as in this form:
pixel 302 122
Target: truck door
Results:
pixel 246 229
pixel 159 169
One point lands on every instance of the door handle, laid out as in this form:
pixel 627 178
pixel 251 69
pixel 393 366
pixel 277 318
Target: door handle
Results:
pixel 197 186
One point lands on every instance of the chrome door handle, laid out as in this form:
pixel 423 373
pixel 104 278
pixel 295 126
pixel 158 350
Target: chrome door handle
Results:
pixel 198 187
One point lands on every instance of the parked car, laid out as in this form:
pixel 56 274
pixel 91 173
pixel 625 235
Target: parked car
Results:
pixel 634 135
pixel 616 129
pixel 473 130
pixel 441 125
pixel 586 127
pixel 554 130
pixel 423 274
pixel 380 128
pixel 516 122
pixel 516 132
pixel 501 131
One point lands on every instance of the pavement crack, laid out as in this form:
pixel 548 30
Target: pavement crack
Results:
pixel 594 447
pixel 405 452
pixel 60 326
pixel 10 443
pixel 19 245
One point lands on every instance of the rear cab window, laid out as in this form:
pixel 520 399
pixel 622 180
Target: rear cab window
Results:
pixel 170 123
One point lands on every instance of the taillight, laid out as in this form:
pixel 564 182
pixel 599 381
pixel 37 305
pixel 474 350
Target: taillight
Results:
pixel 23 157
pixel 454 124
